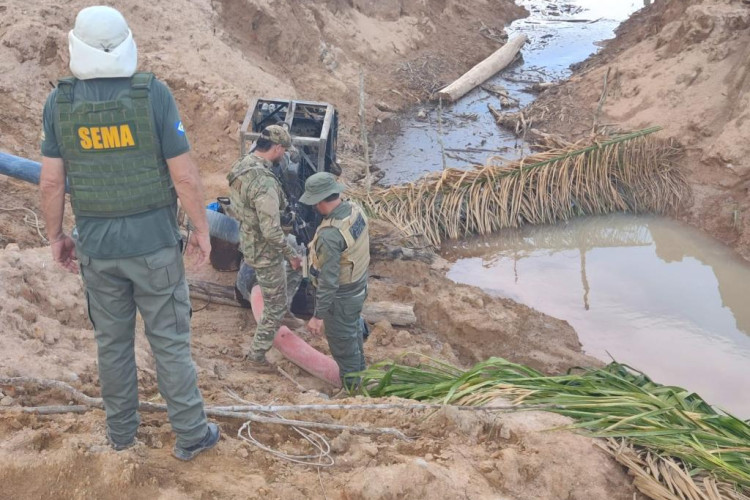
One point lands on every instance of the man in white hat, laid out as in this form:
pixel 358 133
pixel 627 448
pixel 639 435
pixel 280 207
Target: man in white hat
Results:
pixel 116 137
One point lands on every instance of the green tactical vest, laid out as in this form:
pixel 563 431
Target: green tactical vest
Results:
pixel 112 157
pixel 356 258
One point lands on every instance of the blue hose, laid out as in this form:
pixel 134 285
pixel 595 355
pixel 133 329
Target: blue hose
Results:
pixel 20 168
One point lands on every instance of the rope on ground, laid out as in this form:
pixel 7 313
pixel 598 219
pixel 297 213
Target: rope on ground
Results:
pixel 320 458
pixel 27 220
pixel 320 480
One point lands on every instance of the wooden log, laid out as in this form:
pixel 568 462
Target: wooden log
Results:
pixel 394 313
pixel 213 293
pixel 484 70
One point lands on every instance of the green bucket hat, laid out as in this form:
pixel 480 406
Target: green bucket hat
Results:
pixel 320 186
pixel 277 135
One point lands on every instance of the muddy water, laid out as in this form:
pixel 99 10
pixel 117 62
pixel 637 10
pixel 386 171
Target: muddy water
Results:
pixel 560 33
pixel 650 292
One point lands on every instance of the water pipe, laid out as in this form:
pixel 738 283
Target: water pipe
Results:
pixel 20 168
pixel 220 225
pixel 297 350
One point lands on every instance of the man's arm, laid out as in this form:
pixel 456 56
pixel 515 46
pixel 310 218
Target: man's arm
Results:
pixel 187 183
pixel 52 191
pixel 329 246
pixel 269 219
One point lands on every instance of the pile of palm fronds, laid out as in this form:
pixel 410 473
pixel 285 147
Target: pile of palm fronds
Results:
pixel 613 402
pixel 633 173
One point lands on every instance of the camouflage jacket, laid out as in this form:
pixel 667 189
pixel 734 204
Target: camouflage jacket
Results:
pixel 257 201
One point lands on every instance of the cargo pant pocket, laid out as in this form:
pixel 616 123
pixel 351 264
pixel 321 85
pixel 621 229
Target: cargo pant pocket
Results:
pixel 165 267
pixel 87 276
pixel 182 309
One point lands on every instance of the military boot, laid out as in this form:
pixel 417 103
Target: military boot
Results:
pixel 257 362
pixel 292 322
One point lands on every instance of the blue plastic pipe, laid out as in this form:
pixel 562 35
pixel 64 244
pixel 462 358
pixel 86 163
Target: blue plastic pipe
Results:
pixel 20 168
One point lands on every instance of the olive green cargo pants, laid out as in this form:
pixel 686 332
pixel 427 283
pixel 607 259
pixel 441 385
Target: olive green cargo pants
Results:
pixel 155 286
pixel 344 333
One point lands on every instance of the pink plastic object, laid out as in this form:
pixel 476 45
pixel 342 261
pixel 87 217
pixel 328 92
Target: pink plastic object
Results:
pixel 297 350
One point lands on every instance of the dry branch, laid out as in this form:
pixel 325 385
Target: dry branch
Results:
pixel 252 416
pixel 652 474
pixel 49 410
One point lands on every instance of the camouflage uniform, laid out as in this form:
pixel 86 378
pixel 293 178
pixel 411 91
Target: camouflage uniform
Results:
pixel 257 201
pixel 339 256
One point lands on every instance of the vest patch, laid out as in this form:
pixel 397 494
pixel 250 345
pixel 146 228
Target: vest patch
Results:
pixel 106 137
pixel 357 227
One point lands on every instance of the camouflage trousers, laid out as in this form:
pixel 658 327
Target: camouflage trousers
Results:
pixel 278 284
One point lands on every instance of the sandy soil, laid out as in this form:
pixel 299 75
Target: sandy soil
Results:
pixel 454 454
pixel 684 66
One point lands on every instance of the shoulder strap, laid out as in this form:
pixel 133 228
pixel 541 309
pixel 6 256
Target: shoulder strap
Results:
pixel 234 176
pixel 65 90
pixel 140 83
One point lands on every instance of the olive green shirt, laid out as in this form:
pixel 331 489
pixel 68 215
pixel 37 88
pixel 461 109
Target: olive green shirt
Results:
pixel 134 235
pixel 329 247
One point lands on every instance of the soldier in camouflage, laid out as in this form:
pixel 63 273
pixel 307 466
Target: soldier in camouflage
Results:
pixel 338 261
pixel 257 201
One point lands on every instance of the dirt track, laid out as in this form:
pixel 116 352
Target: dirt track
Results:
pixel 216 56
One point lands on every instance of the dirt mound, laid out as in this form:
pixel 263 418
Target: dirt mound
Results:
pixel 43 313
pixel 682 65
pixel 458 454
pixel 474 325
pixel 455 454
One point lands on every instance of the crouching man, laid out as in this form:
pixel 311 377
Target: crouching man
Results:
pixel 338 261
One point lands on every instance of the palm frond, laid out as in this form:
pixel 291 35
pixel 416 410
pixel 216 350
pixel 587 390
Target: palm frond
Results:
pixel 666 424
pixel 633 173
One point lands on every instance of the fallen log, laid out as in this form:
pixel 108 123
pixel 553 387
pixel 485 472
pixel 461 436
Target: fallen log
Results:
pixel 483 71
pixel 213 293
pixel 395 314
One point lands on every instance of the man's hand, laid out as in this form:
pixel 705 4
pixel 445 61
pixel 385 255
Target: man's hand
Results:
pixel 64 253
pixel 315 325
pixel 199 248
pixel 296 262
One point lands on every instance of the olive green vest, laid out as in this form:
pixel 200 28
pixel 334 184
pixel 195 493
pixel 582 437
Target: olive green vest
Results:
pixel 111 152
pixel 356 258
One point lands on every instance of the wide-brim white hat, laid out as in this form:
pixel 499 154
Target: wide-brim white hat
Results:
pixel 101 45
